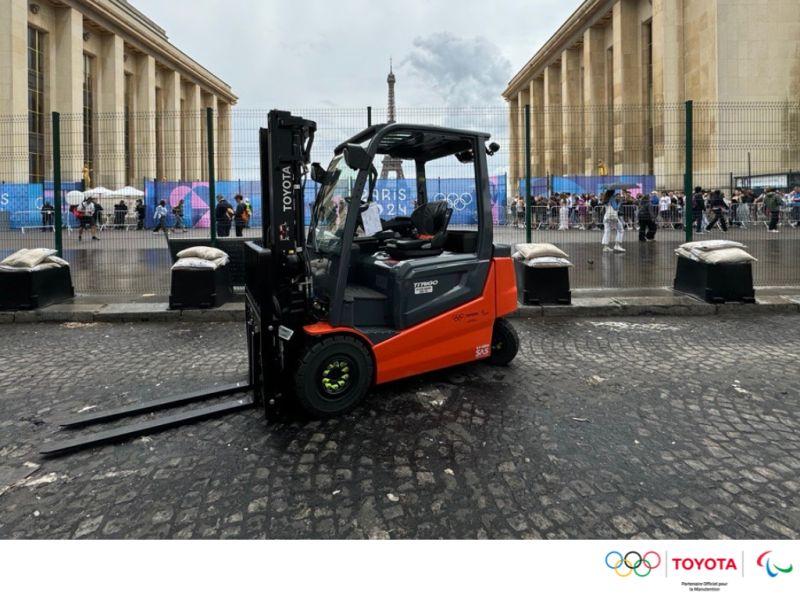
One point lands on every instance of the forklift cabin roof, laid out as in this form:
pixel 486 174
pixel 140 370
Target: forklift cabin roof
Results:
pixel 414 142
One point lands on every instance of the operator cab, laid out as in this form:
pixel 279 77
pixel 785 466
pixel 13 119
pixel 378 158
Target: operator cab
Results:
pixel 388 253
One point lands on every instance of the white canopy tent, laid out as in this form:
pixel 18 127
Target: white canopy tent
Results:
pixel 127 192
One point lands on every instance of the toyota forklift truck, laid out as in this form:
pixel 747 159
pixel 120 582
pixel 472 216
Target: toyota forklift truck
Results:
pixel 355 301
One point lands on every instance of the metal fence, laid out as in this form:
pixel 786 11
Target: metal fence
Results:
pixel 545 183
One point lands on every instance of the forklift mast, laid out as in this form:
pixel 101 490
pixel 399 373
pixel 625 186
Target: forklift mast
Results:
pixel 285 151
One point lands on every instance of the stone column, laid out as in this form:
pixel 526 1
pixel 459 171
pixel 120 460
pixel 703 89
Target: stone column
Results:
pixel 513 147
pixel 193 117
pixel 594 99
pixel 523 99
pixel 571 100
pixel 554 151
pixel 145 120
pixel 224 133
pixel 668 93
pixel 110 120
pixel 67 97
pixel 14 91
pixel 536 91
pixel 628 114
pixel 172 125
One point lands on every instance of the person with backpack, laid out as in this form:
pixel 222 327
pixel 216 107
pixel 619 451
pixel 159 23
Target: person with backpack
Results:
pixel 698 205
pixel 239 214
pixel 717 205
pixel 177 212
pixel 646 213
pixel 772 204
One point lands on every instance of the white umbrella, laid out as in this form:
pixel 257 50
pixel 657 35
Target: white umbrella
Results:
pixel 97 192
pixel 127 192
pixel 74 197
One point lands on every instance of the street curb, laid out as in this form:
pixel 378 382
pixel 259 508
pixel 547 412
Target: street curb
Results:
pixel 678 306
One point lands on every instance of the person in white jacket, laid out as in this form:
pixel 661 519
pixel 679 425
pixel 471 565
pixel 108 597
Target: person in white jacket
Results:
pixel 160 217
pixel 611 221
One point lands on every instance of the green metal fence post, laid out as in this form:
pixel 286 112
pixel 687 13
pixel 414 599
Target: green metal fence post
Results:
pixel 369 116
pixel 688 175
pixel 57 183
pixel 212 184
pixel 528 173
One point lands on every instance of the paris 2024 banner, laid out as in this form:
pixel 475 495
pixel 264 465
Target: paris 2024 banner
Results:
pixel 395 197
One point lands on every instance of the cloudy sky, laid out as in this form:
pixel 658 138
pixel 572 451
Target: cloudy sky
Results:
pixel 316 53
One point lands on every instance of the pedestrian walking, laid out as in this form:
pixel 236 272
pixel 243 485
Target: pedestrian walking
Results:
pixel 86 211
pixel 698 205
pixel 646 213
pixel 239 214
pixel 140 211
pixel 224 214
pixel 520 211
pixel 177 212
pixel 160 217
pixel 772 204
pixel 612 221
pixel 717 205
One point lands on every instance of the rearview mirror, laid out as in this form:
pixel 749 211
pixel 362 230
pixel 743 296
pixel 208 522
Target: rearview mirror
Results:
pixel 356 157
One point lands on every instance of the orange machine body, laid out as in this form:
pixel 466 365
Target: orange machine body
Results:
pixel 460 335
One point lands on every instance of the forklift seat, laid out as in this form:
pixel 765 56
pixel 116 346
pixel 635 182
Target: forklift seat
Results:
pixel 430 223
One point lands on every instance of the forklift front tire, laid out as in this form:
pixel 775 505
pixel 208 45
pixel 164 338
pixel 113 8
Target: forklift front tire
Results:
pixel 333 376
pixel 505 343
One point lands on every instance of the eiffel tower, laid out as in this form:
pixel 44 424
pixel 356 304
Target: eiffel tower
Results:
pixel 391 165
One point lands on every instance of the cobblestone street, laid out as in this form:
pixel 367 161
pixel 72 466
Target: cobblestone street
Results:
pixel 648 427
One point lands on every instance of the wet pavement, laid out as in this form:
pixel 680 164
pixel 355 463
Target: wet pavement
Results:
pixel 137 262
pixel 602 428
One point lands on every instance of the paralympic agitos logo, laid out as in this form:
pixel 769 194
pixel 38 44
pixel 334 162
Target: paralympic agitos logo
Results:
pixel 773 570
pixel 633 563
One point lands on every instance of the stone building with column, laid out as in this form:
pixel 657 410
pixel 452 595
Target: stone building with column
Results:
pixel 131 102
pixel 606 91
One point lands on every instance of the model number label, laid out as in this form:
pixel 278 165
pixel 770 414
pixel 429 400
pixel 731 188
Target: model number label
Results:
pixel 425 287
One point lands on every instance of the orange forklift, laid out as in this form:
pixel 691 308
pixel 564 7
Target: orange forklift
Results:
pixel 353 300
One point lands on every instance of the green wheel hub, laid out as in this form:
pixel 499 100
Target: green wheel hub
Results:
pixel 336 376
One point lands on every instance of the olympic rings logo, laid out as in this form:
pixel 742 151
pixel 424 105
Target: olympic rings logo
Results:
pixel 457 202
pixel 633 563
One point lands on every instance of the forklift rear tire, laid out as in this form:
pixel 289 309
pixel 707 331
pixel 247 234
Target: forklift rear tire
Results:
pixel 333 376
pixel 505 343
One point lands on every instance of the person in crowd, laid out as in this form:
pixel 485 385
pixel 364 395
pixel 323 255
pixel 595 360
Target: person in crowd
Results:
pixel 520 220
pixel 160 217
pixel 563 216
pixel 140 211
pixel 646 213
pixel 664 206
pixel 717 205
pixel 239 215
pixel 794 203
pixel 120 212
pixel 224 213
pixel 98 214
pixel 612 221
pixel 512 211
pixel 698 205
pixel 86 210
pixel 48 213
pixel 177 212
pixel 772 204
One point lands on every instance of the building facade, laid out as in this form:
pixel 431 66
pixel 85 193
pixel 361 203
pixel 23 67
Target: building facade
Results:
pixel 606 91
pixel 132 104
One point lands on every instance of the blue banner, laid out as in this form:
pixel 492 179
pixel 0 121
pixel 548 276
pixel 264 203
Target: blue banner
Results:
pixel 23 202
pixel 396 197
pixel 588 184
